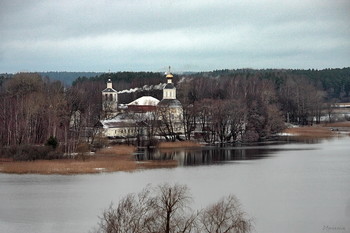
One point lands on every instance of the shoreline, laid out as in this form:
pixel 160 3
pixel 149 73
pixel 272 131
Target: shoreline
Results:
pixel 92 165
pixel 121 157
pixel 110 159
pixel 326 130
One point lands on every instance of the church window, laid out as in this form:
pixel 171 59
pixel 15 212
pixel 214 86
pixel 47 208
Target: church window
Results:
pixel 110 97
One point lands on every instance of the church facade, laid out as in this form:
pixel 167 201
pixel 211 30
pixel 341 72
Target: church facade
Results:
pixel 134 119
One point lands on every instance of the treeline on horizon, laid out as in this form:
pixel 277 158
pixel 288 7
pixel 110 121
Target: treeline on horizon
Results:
pixel 335 81
pixel 35 108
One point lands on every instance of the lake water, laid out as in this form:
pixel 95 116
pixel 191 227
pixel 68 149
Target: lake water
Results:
pixel 295 187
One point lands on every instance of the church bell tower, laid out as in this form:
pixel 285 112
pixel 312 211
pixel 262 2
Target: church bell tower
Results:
pixel 169 91
pixel 109 100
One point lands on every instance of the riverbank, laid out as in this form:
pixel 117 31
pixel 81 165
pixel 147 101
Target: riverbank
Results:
pixel 320 131
pixel 121 157
pixel 182 144
pixel 111 159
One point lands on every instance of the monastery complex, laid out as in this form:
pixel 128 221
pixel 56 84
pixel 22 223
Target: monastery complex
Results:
pixel 146 113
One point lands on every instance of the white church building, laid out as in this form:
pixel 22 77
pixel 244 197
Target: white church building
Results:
pixel 130 120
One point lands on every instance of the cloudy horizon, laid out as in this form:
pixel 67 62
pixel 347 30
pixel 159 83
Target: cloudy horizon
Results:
pixel 189 35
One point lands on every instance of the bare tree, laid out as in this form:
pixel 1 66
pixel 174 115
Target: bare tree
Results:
pixel 225 216
pixel 166 209
pixel 167 128
pixel 170 207
pixel 133 214
pixel 152 210
pixel 189 119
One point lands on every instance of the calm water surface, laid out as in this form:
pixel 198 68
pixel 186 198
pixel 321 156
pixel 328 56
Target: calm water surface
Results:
pixel 285 187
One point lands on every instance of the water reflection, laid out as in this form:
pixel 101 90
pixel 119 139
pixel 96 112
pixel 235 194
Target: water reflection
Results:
pixel 208 155
pixel 304 139
pixel 215 154
pixel 299 188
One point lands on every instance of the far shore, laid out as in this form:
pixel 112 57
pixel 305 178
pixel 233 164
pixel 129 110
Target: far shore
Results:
pixel 326 130
pixel 111 159
pixel 121 157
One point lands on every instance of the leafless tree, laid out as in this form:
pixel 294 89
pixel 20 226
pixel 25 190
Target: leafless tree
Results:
pixel 166 209
pixel 170 206
pixel 301 100
pixel 168 123
pixel 160 209
pixel 189 119
pixel 225 216
pixel 133 214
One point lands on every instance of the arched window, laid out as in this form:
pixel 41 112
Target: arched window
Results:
pixel 106 96
pixel 110 97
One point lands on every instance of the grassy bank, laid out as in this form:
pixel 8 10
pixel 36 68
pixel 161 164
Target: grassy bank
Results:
pixel 338 124
pixel 112 159
pixel 320 131
pixel 183 144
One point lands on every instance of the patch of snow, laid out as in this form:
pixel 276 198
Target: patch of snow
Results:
pixel 101 169
pixel 287 134
pixel 117 119
pixel 290 125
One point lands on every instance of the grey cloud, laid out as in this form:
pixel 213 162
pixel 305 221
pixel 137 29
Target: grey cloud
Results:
pixel 141 34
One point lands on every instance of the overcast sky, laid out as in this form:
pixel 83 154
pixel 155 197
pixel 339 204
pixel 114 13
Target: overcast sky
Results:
pixel 189 35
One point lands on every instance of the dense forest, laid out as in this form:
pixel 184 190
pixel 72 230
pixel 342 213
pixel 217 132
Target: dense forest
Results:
pixel 335 82
pixel 35 109
pixel 65 77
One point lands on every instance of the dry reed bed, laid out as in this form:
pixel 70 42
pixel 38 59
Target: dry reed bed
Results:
pixel 183 144
pixel 323 131
pixel 317 132
pixel 118 150
pixel 112 159
pixel 338 124
pixel 94 164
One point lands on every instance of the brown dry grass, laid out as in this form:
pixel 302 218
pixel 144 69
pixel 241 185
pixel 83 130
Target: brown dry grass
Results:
pixel 116 158
pixel 183 144
pixel 316 132
pixel 70 166
pixel 118 150
pixel 338 124
pixel 320 131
